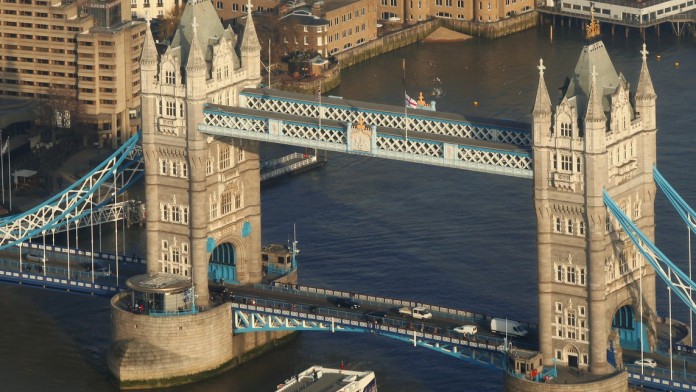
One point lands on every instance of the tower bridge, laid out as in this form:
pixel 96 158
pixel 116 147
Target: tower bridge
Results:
pixel 200 143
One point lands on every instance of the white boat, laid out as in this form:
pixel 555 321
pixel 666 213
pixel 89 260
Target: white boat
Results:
pixel 318 378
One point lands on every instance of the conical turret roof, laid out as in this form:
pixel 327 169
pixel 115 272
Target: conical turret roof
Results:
pixel 542 104
pixel 593 56
pixel 250 41
pixel 645 87
pixel 208 27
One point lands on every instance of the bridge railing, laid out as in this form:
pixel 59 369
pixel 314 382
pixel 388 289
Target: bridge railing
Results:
pixel 383 302
pixel 660 377
pixel 490 344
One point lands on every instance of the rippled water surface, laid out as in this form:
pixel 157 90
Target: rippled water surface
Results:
pixel 444 236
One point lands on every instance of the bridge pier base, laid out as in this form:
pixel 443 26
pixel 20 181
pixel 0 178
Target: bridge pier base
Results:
pixel 160 351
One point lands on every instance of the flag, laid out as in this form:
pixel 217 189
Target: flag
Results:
pixel 410 102
pixel 5 147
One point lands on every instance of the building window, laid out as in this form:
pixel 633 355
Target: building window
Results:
pixel 557 225
pixel 175 168
pixel 213 209
pixel 566 130
pixel 165 212
pixel 581 311
pixel 224 157
pixel 226 203
pixel 566 163
pixel 176 217
pixel 240 154
pixel 570 274
pixel 171 109
pixel 582 278
pixel 237 201
pixel 209 167
pixel 581 228
pixel 169 77
pixel 559 307
pixel 184 169
pixel 578 165
pixel 569 226
pixel 184 215
pixel 163 167
pixel 559 273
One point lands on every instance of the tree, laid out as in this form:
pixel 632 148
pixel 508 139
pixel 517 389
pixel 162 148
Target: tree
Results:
pixel 58 108
pixel 169 23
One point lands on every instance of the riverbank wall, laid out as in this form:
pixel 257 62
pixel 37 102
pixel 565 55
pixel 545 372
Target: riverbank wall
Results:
pixel 417 33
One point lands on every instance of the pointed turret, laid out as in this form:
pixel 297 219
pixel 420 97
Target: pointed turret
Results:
pixel 542 104
pixel 148 61
pixel 541 115
pixel 251 49
pixel 195 68
pixel 149 53
pixel 595 119
pixel 595 112
pixel 250 41
pixel 645 89
pixel 196 61
pixel 645 95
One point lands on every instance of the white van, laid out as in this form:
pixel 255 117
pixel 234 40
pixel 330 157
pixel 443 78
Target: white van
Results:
pixel 509 327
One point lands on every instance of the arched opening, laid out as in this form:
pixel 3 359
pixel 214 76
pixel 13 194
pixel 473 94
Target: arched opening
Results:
pixel 223 263
pixel 628 328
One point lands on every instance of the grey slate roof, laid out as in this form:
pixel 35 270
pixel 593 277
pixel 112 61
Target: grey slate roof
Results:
pixel 593 55
pixel 208 27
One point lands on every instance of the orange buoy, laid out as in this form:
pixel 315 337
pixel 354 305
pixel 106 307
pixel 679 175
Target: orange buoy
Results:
pixel 475 103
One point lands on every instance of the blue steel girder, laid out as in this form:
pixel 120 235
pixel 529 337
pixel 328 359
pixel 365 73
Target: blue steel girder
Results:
pixel 255 318
pixel 685 211
pixel 386 116
pixel 673 276
pixel 98 187
pixel 395 145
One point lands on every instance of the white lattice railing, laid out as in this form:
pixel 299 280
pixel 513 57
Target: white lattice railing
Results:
pixel 518 136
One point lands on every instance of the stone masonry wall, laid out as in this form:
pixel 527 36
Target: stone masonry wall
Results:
pixel 148 349
pixel 614 383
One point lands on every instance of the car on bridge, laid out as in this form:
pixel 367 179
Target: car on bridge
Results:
pixel 466 330
pixel 378 317
pixel 646 362
pixel 349 303
pixel 419 312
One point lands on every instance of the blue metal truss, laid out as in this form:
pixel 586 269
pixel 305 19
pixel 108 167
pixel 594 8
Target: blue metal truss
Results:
pixel 674 277
pixel 253 318
pixel 435 123
pixel 489 157
pixel 93 191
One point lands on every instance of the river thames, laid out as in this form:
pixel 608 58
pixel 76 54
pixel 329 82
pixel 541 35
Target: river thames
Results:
pixel 443 236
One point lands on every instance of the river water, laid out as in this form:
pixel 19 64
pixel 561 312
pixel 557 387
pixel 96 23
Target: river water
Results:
pixel 435 235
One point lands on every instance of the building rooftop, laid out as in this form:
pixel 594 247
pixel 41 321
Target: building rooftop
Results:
pixel 159 283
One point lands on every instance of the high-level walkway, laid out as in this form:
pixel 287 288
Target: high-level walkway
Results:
pixel 382 131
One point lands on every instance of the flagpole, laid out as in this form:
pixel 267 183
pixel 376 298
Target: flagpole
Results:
pixel 9 169
pixel 2 169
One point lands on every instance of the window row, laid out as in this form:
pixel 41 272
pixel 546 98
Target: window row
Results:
pixel 564 162
pixel 174 213
pixel 168 108
pixel 173 168
pixel 174 258
pixel 569 226
pixel 622 153
pixel 570 274
pixel 229 202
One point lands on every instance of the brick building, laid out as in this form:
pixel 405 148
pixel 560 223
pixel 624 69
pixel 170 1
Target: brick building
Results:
pixel 87 51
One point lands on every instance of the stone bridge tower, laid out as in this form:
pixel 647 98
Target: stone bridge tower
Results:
pixel 600 136
pixel 203 198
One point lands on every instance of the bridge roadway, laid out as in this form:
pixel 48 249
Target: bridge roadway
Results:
pixel 316 301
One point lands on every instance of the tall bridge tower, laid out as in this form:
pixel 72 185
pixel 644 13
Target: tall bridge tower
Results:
pixel 592 280
pixel 203 198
